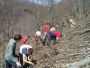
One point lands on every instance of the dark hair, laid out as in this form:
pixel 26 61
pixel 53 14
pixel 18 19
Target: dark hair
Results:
pixel 28 36
pixel 17 37
pixel 30 51
pixel 47 23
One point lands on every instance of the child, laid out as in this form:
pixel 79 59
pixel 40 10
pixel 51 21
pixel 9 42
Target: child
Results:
pixel 37 37
pixel 10 56
pixel 25 55
pixel 54 36
pixel 46 29
pixel 24 40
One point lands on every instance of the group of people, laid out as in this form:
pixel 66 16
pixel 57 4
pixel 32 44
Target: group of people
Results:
pixel 23 59
pixel 50 34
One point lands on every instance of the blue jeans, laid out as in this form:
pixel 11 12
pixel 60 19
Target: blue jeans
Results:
pixel 10 63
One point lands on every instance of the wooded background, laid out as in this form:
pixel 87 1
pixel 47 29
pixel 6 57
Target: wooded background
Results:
pixel 25 17
pixel 19 16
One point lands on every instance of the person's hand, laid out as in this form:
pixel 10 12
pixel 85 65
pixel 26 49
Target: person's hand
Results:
pixel 18 64
pixel 29 59
pixel 57 38
pixel 31 63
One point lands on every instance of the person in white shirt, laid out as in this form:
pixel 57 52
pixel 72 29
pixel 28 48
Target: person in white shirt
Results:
pixel 52 29
pixel 24 46
pixel 38 33
pixel 25 52
pixel 38 36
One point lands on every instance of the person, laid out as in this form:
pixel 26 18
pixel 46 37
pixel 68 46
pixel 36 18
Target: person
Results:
pixel 25 40
pixel 10 56
pixel 52 29
pixel 54 36
pixel 25 55
pixel 37 37
pixel 58 25
pixel 46 29
pixel 20 53
pixel 57 34
pixel 63 24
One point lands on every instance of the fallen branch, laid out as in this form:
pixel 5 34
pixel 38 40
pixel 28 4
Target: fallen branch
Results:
pixel 80 63
pixel 82 32
pixel 75 54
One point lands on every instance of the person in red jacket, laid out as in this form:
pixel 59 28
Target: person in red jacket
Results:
pixel 34 38
pixel 57 34
pixel 46 29
pixel 54 36
pixel 24 40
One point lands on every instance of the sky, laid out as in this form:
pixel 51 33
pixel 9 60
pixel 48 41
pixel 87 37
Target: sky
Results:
pixel 43 1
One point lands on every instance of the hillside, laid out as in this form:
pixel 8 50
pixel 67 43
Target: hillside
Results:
pixel 72 50
pixel 72 47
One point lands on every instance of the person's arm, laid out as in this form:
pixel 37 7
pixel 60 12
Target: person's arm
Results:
pixel 27 46
pixel 29 58
pixel 25 60
pixel 11 52
pixel 14 48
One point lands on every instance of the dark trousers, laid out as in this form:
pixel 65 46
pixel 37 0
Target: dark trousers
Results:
pixel 10 63
pixel 52 37
pixel 26 65
pixel 21 59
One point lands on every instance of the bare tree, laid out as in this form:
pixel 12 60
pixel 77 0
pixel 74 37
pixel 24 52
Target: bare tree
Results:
pixel 14 11
pixel 6 14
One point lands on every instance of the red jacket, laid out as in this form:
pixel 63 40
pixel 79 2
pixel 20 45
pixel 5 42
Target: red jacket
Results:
pixel 24 40
pixel 46 28
pixel 34 38
pixel 57 34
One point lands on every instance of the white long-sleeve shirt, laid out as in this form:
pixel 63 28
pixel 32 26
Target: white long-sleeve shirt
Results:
pixel 24 46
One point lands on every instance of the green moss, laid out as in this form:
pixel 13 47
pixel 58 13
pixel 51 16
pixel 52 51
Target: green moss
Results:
pixel 28 11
